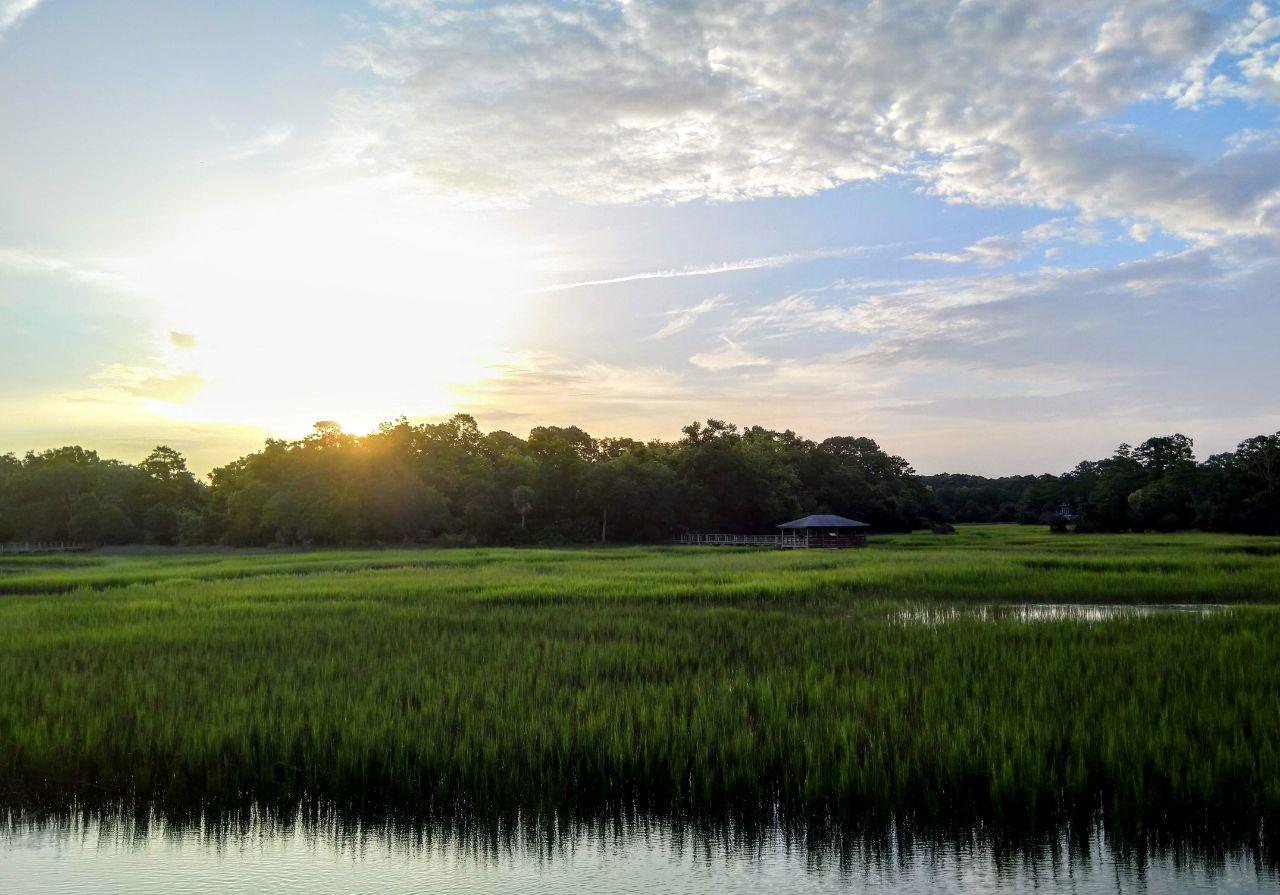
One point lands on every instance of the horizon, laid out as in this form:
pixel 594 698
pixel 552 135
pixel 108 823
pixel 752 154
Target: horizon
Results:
pixel 203 473
pixel 996 238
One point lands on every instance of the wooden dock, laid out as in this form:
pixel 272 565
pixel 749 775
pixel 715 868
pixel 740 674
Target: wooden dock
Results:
pixel 777 542
pixel 27 547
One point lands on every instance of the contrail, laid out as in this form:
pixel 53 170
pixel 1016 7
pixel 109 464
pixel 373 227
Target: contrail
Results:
pixel 766 261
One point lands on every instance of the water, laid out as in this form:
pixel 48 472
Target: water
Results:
pixel 1051 612
pixel 96 856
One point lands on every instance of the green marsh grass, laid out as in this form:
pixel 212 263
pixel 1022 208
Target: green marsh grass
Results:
pixel 671 675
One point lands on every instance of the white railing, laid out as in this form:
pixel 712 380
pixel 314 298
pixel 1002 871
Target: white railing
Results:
pixel 723 540
pixel 785 542
pixel 42 547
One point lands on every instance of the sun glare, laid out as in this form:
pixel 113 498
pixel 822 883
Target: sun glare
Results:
pixel 350 303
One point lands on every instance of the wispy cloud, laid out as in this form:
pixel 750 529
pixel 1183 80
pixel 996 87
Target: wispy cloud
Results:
pixel 22 261
pixel 727 357
pixel 555 384
pixel 760 263
pixel 268 141
pixel 989 252
pixel 993 251
pixel 13 10
pixel 682 318
pixel 148 382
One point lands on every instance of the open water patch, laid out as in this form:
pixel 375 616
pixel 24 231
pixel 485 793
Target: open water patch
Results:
pixel 1052 612
pixel 86 854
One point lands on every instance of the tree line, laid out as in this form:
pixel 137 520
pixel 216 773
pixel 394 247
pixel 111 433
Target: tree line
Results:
pixel 449 483
pixel 1156 486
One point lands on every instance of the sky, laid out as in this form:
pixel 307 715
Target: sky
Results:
pixel 997 236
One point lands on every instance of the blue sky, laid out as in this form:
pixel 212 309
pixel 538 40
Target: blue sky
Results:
pixel 996 236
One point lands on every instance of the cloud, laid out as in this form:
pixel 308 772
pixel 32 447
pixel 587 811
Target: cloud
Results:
pixel 13 10
pixel 993 251
pixel 989 252
pixel 762 263
pixel 148 383
pixel 556 385
pixel 682 318
pixel 728 357
pixel 1075 404
pixel 1245 65
pixel 20 261
pixel 1182 334
pixel 920 311
pixel 983 102
pixel 269 140
pixel 989 370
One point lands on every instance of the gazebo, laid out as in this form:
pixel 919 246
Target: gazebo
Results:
pixel 824 531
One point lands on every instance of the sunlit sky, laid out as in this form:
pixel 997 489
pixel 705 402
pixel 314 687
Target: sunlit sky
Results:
pixel 996 236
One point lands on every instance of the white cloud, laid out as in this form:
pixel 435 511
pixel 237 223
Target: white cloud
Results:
pixel 993 251
pixel 1141 231
pixel 1244 65
pixel 21 261
pixel 151 383
pixel 271 139
pixel 13 10
pixel 989 252
pixel 1082 325
pixel 1063 230
pixel 986 102
pixel 682 318
pixel 729 356
pixel 541 386
pixel 1182 340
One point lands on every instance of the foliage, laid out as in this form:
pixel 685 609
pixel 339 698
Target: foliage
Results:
pixel 1157 486
pixel 70 494
pixel 449 482
pixel 1242 489
pixel 818 678
pixel 432 481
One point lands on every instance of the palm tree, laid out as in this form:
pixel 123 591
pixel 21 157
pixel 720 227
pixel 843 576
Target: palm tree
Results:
pixel 522 500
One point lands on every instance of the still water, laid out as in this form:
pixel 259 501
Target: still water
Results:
pixel 1052 612
pixel 96 856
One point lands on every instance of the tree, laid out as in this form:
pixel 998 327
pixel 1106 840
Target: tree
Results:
pixel 165 490
pixel 1240 490
pixel 450 482
pixel 522 500
pixel 1162 453
pixel 96 521
pixel 635 498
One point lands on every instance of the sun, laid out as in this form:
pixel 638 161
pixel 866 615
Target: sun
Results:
pixel 354 303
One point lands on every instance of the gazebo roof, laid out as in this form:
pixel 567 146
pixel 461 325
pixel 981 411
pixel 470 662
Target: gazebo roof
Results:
pixel 824 521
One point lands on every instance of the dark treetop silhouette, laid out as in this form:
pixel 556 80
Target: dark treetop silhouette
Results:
pixel 450 483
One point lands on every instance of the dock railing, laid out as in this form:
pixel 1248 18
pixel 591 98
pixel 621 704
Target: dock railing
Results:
pixel 783 542
pixel 43 547
pixel 724 540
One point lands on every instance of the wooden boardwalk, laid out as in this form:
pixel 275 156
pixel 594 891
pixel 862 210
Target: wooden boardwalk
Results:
pixel 25 547
pixel 778 542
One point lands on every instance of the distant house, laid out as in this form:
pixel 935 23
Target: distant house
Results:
pixel 824 531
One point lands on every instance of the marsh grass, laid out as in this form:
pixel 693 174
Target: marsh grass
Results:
pixel 657 677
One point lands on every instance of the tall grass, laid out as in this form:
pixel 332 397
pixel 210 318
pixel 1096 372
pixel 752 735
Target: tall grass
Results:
pixel 698 677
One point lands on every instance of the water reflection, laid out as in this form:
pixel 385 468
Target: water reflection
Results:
pixel 320 853
pixel 1050 612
